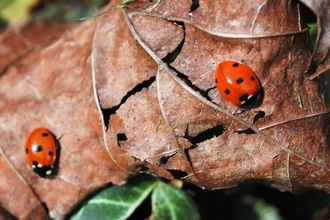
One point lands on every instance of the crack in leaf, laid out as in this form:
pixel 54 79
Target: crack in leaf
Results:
pixel 205 135
pixel 108 112
pixel 182 152
pixel 254 23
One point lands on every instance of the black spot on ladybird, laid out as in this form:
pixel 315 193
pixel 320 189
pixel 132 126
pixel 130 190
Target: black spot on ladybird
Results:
pixel 44 134
pixel 36 148
pixel 50 153
pixel 26 150
pixel 216 81
pixel 227 91
pixel 239 80
pixel 235 64
pixel 252 78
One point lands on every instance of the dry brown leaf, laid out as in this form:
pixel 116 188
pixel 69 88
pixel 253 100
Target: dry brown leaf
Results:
pixel 16 42
pixel 174 124
pixel 51 86
pixel 163 117
pixel 321 58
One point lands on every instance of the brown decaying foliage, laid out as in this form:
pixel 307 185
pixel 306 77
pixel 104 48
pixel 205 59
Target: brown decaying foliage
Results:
pixel 166 118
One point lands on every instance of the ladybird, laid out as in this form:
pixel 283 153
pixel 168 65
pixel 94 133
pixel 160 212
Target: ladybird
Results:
pixel 41 150
pixel 237 83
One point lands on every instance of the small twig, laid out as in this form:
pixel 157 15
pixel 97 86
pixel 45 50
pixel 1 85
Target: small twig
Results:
pixel 152 7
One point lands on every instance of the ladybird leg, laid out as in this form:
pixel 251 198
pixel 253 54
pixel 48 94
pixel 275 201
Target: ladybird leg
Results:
pixel 59 137
pixel 238 111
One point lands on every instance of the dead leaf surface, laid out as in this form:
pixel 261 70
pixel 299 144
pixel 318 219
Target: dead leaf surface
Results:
pixel 172 121
pixel 51 86
pixel 149 71
pixel 16 42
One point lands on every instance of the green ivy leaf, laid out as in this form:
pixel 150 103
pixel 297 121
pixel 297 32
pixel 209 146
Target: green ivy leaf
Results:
pixel 257 208
pixel 172 203
pixel 117 202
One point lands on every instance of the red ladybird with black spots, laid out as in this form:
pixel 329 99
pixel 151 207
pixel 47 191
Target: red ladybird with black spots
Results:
pixel 42 151
pixel 237 83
